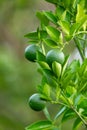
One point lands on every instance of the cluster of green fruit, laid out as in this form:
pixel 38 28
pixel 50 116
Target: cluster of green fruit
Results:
pixel 55 55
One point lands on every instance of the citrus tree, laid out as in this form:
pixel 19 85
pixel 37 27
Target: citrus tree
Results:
pixel 63 83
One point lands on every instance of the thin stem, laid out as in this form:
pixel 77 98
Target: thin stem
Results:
pixel 77 113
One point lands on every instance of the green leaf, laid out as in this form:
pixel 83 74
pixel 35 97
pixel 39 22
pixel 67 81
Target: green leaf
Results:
pixel 69 114
pixel 57 93
pixel 74 28
pixel 56 68
pixel 43 34
pixel 65 27
pixel 40 56
pixel 50 43
pixel 43 65
pixel 33 42
pixel 46 90
pixel 51 80
pixel 80 13
pixel 39 125
pixel 79 98
pixel 70 90
pixel 42 18
pixel 77 124
pixel 59 11
pixel 51 17
pixel 54 34
pixel 32 35
pixel 74 66
pixel 65 64
pixel 66 3
pixel 60 112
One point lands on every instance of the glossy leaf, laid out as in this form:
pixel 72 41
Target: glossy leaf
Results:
pixel 32 35
pixel 80 13
pixel 50 43
pixel 51 17
pixel 65 27
pixel 46 90
pixel 54 33
pixel 57 68
pixel 40 56
pixel 65 64
pixel 39 125
pixel 43 65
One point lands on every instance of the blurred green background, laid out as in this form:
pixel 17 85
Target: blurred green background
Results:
pixel 18 77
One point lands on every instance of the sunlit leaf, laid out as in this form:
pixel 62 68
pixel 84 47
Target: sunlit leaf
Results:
pixel 54 33
pixel 50 43
pixel 57 68
pixel 51 17
pixel 43 65
pixel 65 27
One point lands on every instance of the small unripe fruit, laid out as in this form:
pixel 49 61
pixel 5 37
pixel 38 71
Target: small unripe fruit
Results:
pixel 36 103
pixel 30 52
pixel 55 55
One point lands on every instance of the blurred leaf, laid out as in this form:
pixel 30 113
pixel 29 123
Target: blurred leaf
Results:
pixel 60 112
pixel 52 1
pixel 69 114
pixel 59 11
pixel 77 124
pixel 42 18
pixel 74 66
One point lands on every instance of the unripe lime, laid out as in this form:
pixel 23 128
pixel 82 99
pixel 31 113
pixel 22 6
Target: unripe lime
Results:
pixel 36 103
pixel 55 55
pixel 30 52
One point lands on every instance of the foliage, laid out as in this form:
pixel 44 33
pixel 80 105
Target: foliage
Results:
pixel 63 84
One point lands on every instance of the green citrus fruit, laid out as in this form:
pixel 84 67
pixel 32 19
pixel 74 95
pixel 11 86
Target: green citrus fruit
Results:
pixel 55 55
pixel 36 103
pixel 30 52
